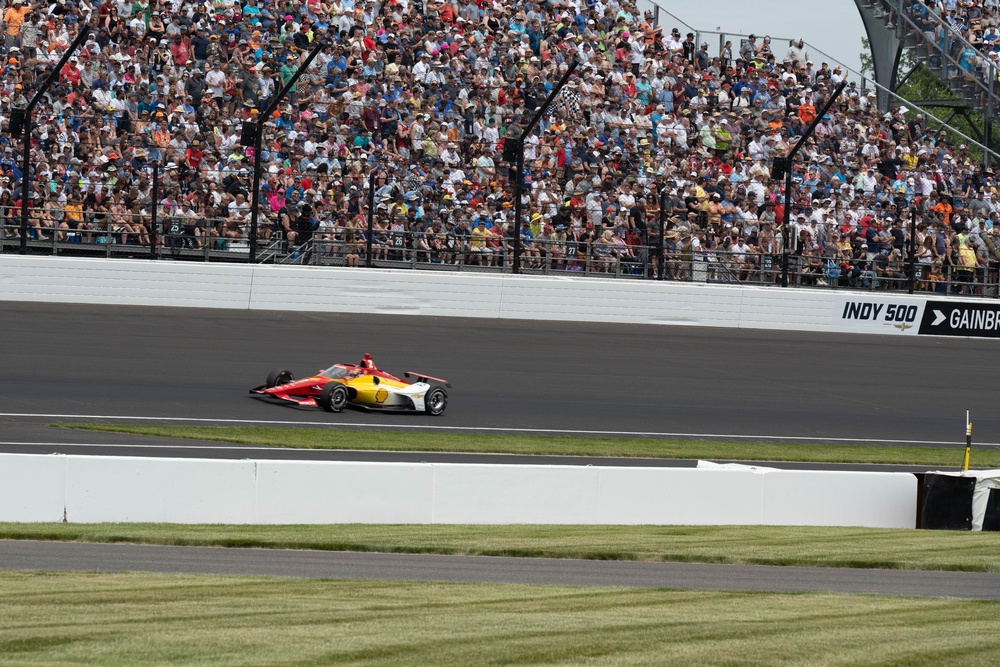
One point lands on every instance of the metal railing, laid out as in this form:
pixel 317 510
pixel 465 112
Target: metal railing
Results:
pixel 115 234
pixel 346 246
pixel 719 264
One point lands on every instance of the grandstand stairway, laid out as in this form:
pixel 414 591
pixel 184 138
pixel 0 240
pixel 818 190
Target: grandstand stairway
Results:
pixel 891 27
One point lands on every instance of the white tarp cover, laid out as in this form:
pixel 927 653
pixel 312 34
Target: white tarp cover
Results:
pixel 985 480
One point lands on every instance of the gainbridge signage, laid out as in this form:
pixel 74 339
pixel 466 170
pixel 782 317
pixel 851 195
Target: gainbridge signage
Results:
pixel 917 317
pixel 954 318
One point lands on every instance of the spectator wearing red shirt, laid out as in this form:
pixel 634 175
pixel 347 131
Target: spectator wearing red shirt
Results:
pixel 180 50
pixel 71 72
pixel 194 155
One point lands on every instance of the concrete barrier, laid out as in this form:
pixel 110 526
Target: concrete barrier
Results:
pixel 125 282
pixel 121 488
pixel 334 492
pixel 101 489
pixel 471 294
pixel 32 487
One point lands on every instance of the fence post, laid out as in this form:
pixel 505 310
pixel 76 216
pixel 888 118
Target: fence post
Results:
pixel 26 182
pixel 661 251
pixel 153 209
pixel 911 266
pixel 518 185
pixel 371 218
pixel 26 139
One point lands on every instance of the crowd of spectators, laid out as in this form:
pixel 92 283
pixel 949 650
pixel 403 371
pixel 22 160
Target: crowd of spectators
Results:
pixel 652 126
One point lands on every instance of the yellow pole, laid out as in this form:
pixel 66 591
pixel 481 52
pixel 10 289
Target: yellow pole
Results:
pixel 968 441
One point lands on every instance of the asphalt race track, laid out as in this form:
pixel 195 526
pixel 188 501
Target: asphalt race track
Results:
pixel 27 555
pixel 176 366
pixel 657 381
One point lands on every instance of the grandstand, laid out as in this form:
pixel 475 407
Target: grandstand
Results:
pixel 655 161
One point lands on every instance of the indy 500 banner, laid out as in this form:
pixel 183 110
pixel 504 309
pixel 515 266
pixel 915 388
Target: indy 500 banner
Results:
pixel 914 316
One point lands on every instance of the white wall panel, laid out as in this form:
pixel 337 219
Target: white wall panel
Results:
pixel 335 492
pixel 436 293
pixel 834 498
pixel 101 489
pixel 149 489
pixel 122 281
pixel 514 494
pixel 680 496
pixel 32 487
pixel 596 300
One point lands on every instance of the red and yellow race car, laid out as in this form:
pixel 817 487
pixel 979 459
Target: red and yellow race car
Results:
pixel 360 385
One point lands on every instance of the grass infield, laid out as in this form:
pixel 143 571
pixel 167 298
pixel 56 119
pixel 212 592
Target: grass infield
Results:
pixel 752 545
pixel 143 619
pixel 332 438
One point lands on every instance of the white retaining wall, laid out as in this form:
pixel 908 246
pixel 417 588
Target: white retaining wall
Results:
pixel 106 489
pixel 443 293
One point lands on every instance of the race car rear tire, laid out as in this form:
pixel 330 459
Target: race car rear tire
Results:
pixel 277 377
pixel 436 401
pixel 334 397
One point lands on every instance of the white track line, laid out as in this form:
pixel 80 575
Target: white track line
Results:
pixel 238 447
pixel 497 429
pixel 232 446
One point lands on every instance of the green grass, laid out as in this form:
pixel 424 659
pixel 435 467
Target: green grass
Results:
pixel 760 545
pixel 151 619
pixel 332 438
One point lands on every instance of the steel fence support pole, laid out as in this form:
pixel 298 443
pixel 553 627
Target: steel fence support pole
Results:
pixel 785 222
pixel 154 207
pixel 264 115
pixel 255 192
pixel 988 124
pixel 371 219
pixel 518 184
pixel 789 160
pixel 663 234
pixel 26 181
pixel 911 266
pixel 519 161
pixel 26 137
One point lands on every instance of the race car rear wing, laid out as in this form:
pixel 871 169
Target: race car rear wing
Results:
pixel 420 377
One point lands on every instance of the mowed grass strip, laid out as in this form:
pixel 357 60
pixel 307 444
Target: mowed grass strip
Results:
pixel 334 438
pixel 145 619
pixel 752 545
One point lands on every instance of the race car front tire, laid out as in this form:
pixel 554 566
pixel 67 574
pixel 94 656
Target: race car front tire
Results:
pixel 334 397
pixel 278 377
pixel 436 401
